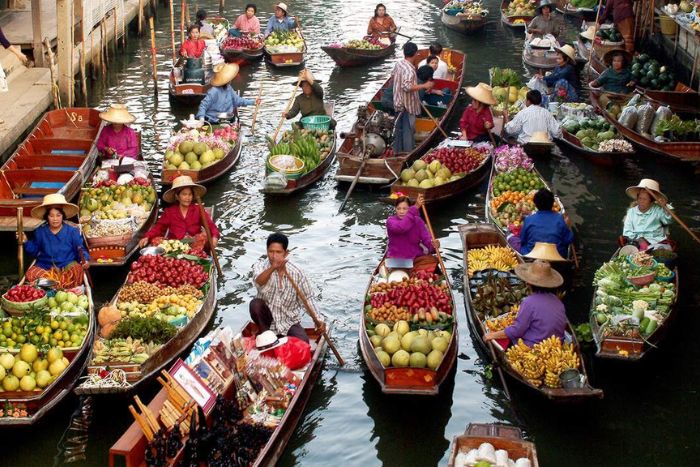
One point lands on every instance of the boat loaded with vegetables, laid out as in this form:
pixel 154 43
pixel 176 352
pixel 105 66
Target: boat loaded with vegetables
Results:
pixel 164 305
pixel 492 295
pixel 465 16
pixel 633 304
pixel 360 51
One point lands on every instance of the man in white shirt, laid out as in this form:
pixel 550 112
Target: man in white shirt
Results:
pixel 532 119
pixel 441 72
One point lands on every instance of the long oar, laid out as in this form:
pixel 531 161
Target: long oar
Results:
pixel 425 109
pixel 365 156
pixel 595 30
pixel 678 219
pixel 87 273
pixel 437 250
pixel 20 241
pixel 289 106
pixel 205 224
pixel 255 113
pixel 314 317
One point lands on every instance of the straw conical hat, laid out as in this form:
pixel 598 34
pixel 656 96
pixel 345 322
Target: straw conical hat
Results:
pixel 55 200
pixel 183 181
pixel 540 137
pixel 539 273
pixel 589 33
pixel 482 92
pixel 608 57
pixel 568 51
pixel 282 6
pixel 224 73
pixel 646 184
pixel 545 251
pixel 117 113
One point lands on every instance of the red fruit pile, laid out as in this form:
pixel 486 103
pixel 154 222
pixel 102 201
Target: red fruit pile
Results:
pixel 240 43
pixel 414 293
pixel 165 271
pixel 140 181
pixel 228 133
pixel 102 183
pixel 458 160
pixel 24 293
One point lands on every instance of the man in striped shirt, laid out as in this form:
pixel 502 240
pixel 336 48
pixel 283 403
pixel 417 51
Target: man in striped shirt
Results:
pixel 533 118
pixel 406 101
pixel 277 305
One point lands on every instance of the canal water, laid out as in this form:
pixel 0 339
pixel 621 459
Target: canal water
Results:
pixel 649 415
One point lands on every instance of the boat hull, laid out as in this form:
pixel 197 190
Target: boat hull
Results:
pixel 463 24
pixel 347 57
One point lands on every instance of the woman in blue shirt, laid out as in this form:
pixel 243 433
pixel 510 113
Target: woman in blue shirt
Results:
pixel 563 77
pixel 57 246
pixel 545 226
pixel 280 21
pixel 221 98
pixel 647 221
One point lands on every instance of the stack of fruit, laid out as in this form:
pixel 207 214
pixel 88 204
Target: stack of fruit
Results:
pixel 166 271
pixel 241 43
pixel 367 43
pixel 30 371
pixel 402 348
pixel 543 363
pixel 122 351
pixel 280 42
pixel 650 74
pixel 196 150
pixel 311 146
pixel 101 206
pixel 23 298
pixel 520 8
pixel 467 8
pixel 444 165
pixel 591 132
pixel 501 322
pixel 42 329
pixel 516 180
pixel 500 258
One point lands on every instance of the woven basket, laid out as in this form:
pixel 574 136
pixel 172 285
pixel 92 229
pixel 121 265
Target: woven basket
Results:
pixel 120 240
pixel 20 308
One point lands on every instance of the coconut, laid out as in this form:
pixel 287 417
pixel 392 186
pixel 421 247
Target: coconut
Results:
pixel 401 359
pixel 421 175
pixel 427 183
pixel 419 165
pixel 407 174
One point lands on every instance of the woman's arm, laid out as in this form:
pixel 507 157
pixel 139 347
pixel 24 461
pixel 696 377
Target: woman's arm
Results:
pixel 628 229
pixel 204 105
pixel 160 227
pixel 79 246
pixel 212 226
pixel 425 237
pixel 32 246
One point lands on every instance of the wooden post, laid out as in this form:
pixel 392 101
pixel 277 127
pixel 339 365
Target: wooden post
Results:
pixel 172 33
pixel 37 44
pixel 140 17
pixel 221 7
pixel 64 22
pixel 52 67
pixel 187 14
pixel 183 6
pixel 115 31
pixel 154 61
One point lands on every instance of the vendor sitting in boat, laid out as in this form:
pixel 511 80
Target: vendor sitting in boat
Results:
pixel 221 98
pixel 193 47
pixel 477 120
pixel 563 77
pixel 280 21
pixel 546 21
pixel 407 235
pixel 183 218
pixel 277 305
pixel 117 139
pixel 542 313
pixel 247 23
pixel 647 221
pixel 533 119
pixel 310 101
pixel 617 77
pixel 381 25
pixel 545 225
pixel 441 70
pixel 206 30
pixel 57 246
pixel 432 96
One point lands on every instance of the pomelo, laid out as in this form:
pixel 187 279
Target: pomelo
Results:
pixel 400 359
pixel 384 358
pixel 434 359
pixel 417 360
pixel 382 330
pixel 391 345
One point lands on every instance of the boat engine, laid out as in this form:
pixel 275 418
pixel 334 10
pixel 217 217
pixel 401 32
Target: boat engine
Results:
pixel 377 129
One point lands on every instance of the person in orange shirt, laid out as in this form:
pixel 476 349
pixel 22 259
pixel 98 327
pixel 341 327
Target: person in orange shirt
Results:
pixel 381 25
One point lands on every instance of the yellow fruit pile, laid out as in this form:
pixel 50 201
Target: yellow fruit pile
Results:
pixel 189 302
pixel 491 257
pixel 543 363
pixel 503 321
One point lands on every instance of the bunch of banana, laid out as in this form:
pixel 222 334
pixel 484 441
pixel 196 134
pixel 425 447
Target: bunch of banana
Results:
pixel 122 350
pixel 491 257
pixel 280 148
pixel 306 149
pixel 503 321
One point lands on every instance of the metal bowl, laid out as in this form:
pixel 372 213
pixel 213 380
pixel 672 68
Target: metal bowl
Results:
pixel 151 251
pixel 46 283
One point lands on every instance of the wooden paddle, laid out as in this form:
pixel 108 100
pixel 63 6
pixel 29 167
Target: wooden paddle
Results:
pixel 425 109
pixel 85 271
pixel 595 30
pixel 255 113
pixel 172 32
pixel 207 230
pixel 289 106
pixel 365 156
pixel 20 241
pixel 673 214
pixel 314 317
pixel 437 250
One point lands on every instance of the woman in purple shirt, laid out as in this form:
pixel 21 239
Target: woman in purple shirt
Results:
pixel 117 139
pixel 541 314
pixel 406 231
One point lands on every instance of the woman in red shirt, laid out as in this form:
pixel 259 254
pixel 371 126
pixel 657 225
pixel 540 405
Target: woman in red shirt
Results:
pixel 182 219
pixel 477 119
pixel 193 47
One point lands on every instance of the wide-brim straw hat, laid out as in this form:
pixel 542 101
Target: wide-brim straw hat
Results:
pixel 540 137
pixel 55 200
pixel 544 3
pixel 540 274
pixel 646 184
pixel 589 33
pixel 117 113
pixel 183 181
pixel 568 51
pixel 268 340
pixel 224 74
pixel 482 92
pixel 545 251
pixel 608 57
pixel 282 6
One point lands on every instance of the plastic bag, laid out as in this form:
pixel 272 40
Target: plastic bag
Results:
pixel 538 85
pixel 662 113
pixel 628 117
pixel 295 353
pixel 645 116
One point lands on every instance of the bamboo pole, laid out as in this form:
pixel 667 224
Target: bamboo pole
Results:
pixel 94 59
pixel 675 216
pixel 116 36
pixel 123 25
pixel 83 77
pixel 140 17
pixel 71 94
pixel 52 68
pixel 188 20
pixel 183 6
pixel 289 106
pixel 207 231
pixel 595 30
pixel 257 106
pixel 154 63
pixel 172 32
pixel 20 241
pixel 221 7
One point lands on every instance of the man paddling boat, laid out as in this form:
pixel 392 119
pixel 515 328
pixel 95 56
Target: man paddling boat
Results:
pixel 277 305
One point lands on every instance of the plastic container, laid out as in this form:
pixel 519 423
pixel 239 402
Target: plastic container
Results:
pixel 668 26
pixel 292 174
pixel 316 122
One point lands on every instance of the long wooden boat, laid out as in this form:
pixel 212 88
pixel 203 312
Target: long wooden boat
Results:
pixel 384 170
pixel 539 58
pixel 133 442
pixel 631 348
pixel 57 157
pixel 684 151
pixel 287 59
pixel 186 94
pixel 243 57
pixel 479 236
pixel 408 381
pixel 514 22
pixel 207 174
pixel 347 56
pixel 38 403
pixel 466 24
pixel 606 159
pixel 508 438
pixel 566 8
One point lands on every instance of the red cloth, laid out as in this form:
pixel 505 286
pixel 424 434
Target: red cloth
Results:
pixel 194 49
pixel 295 353
pixel 473 122
pixel 621 9
pixel 177 227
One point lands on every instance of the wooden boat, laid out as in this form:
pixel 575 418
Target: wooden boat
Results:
pixel 408 381
pixel 207 174
pixel 685 151
pixel 466 24
pixel 447 190
pixel 384 170
pixel 539 58
pixel 538 150
pixel 607 159
pixel 346 56
pixel 514 22
pixel 287 59
pixel 630 348
pixel 57 157
pixel 39 403
pixel 243 57
pixel 504 437
pixel 479 236
pixel 566 8
pixel 132 443
pixel 186 94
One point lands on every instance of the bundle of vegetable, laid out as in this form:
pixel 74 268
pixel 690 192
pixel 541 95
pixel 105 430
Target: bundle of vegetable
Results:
pixel 507 158
pixel 284 42
pixel 650 74
pixel 615 145
pixel 608 34
pixel 496 293
pixel 145 329
pixel 590 131
pixel 677 129
pixel 505 77
pixel 126 350
pixel 544 362
pixel 491 257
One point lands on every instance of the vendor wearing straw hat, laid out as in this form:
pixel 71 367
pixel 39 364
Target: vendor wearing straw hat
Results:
pixel 183 218
pixel 647 221
pixel 221 98
pixel 563 77
pixel 546 21
pixel 310 101
pixel 477 120
pixel 117 139
pixel 280 21
pixel 57 246
pixel 545 225
pixel 541 314
pixel 617 77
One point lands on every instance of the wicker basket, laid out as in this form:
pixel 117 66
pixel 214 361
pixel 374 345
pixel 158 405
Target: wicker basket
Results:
pixel 601 48
pixel 292 174
pixel 20 308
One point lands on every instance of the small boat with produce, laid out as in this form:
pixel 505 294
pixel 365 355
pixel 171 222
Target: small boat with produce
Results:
pixel 43 316
pixel 285 48
pixel 359 52
pixel 258 440
pixel 58 156
pixel 366 150
pixel 466 447
pixel 243 50
pixel 578 8
pixel 466 17
pixel 539 53
pixel 516 14
pixel 445 172
pixel 492 296
pixel 203 154
pixel 184 91
pixel 408 331
pixel 634 304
